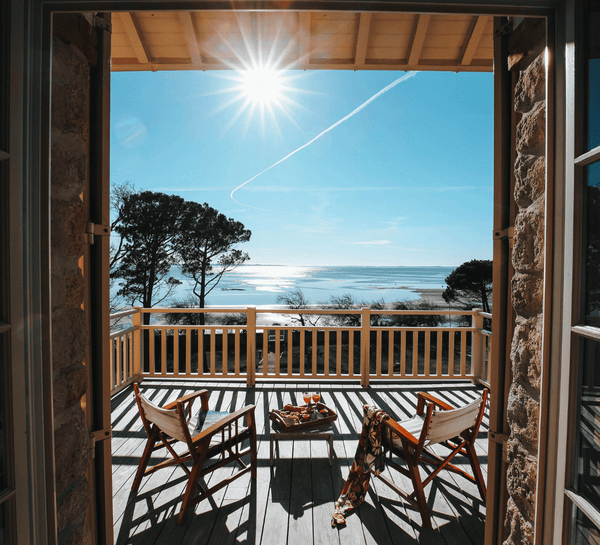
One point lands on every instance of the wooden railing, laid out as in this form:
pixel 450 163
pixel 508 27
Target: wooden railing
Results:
pixel 369 349
pixel 125 349
pixel 483 374
pixel 291 351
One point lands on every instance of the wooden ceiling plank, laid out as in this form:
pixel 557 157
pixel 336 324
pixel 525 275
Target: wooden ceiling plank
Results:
pixel 473 40
pixel 135 37
pixel 304 37
pixel 362 39
pixel 418 39
pixel 191 39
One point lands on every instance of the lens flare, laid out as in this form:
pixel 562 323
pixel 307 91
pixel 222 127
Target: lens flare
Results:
pixel 263 86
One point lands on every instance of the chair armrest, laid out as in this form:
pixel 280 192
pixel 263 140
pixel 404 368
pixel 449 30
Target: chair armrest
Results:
pixel 223 423
pixel 190 398
pixel 423 396
pixel 399 430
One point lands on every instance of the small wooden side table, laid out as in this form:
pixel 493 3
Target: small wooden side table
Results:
pixel 324 432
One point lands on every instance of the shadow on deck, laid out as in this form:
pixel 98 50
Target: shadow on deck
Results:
pixel 291 502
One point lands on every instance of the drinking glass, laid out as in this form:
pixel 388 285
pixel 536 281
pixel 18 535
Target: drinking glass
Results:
pixel 316 397
pixel 306 396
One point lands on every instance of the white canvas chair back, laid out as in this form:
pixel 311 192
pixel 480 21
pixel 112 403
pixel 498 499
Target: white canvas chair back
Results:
pixel 165 419
pixel 448 424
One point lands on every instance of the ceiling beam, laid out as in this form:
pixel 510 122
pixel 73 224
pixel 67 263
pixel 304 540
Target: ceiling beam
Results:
pixel 418 39
pixel 304 37
pixel 362 39
pixel 191 39
pixel 133 32
pixel 473 38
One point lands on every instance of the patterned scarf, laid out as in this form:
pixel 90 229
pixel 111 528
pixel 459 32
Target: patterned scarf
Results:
pixel 368 458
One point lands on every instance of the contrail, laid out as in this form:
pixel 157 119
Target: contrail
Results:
pixel 353 112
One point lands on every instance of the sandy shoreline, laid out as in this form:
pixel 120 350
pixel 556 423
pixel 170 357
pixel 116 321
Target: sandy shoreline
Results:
pixel 432 296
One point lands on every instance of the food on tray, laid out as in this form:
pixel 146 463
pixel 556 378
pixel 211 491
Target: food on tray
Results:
pixel 292 417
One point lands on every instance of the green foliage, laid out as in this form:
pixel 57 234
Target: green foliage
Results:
pixel 344 302
pixel 155 230
pixel 233 319
pixel 347 302
pixel 415 320
pixel 184 318
pixel 208 240
pixel 470 284
pixel 148 223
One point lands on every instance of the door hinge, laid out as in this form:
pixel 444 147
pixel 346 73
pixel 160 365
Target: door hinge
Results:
pixel 505 234
pixel 503 29
pixel 100 22
pixel 98 436
pixel 501 439
pixel 93 229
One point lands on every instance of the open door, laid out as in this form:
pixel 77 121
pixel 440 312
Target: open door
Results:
pixel 98 396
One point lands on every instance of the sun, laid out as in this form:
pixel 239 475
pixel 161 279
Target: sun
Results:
pixel 263 86
pixel 264 90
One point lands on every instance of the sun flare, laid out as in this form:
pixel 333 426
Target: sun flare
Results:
pixel 263 86
pixel 264 90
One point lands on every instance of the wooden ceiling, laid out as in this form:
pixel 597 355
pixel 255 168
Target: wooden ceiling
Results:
pixel 225 40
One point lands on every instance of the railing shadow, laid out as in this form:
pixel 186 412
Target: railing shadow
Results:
pixel 157 522
pixel 146 518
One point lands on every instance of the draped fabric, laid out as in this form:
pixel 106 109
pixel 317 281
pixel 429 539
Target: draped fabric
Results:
pixel 369 458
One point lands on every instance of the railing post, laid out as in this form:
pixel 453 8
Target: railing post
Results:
pixel 136 321
pixel 477 345
pixel 251 346
pixel 365 341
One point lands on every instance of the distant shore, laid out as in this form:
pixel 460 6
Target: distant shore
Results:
pixel 431 296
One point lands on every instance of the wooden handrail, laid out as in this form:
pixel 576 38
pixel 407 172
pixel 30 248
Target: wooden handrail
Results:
pixel 292 351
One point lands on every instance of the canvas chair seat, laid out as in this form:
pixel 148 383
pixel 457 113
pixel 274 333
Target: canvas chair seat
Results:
pixel 202 420
pixel 196 438
pixel 436 423
pixel 413 426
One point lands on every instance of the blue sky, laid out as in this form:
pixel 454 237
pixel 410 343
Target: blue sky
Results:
pixel 406 181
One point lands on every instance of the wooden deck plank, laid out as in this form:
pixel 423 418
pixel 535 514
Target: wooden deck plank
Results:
pixel 292 502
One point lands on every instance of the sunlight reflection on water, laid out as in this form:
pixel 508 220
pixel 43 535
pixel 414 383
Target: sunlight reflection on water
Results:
pixel 261 284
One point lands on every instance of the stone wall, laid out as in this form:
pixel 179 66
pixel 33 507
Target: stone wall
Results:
pixel 526 294
pixel 69 170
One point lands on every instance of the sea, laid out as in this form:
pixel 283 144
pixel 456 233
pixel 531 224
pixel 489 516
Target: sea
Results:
pixel 252 284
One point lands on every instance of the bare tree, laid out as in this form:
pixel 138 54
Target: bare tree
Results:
pixel 296 300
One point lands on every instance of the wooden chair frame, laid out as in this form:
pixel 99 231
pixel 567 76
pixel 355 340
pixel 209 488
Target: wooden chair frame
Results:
pixel 413 452
pixel 168 425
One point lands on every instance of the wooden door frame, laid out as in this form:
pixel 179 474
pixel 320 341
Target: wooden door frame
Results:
pixel 33 129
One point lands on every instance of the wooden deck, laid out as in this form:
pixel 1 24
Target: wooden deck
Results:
pixel 293 501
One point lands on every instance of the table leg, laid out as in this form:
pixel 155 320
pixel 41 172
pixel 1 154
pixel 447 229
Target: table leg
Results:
pixel 271 448
pixel 331 449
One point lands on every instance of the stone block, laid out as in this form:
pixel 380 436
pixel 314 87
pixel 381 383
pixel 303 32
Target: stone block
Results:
pixel 76 533
pixel 520 531
pixel 72 451
pixel 69 387
pixel 526 351
pixel 527 293
pixel 74 290
pixel 523 412
pixel 528 250
pixel 521 477
pixel 73 504
pixel 530 182
pixel 70 90
pixel 69 166
pixel 531 131
pixel 69 338
pixel 59 289
pixel 531 86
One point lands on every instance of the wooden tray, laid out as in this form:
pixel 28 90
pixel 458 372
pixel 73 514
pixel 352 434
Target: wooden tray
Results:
pixel 330 416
